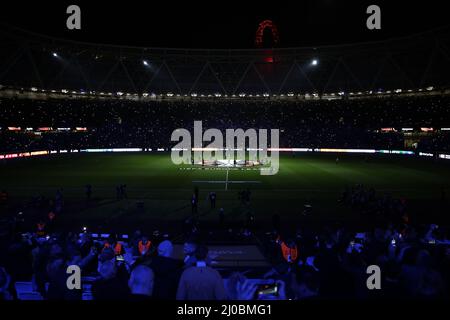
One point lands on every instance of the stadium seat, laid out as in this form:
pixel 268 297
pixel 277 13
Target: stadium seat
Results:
pixel 25 291
pixel 29 296
pixel 87 296
pixel 87 279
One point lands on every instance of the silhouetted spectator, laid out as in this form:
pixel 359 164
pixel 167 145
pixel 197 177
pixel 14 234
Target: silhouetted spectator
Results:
pixel 201 282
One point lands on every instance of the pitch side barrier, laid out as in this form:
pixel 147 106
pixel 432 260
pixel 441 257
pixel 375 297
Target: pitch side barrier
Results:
pixel 15 155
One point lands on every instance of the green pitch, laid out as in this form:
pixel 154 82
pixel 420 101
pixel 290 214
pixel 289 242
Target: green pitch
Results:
pixel 164 190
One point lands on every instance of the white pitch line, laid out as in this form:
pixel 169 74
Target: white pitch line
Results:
pixel 226 183
pixel 229 181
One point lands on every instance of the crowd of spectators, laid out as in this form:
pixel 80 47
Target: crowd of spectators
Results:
pixel 315 263
pixel 369 202
pixel 343 123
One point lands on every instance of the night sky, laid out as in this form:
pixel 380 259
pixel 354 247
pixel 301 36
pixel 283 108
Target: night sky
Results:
pixel 226 24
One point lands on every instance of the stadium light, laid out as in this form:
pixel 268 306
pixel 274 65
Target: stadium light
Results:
pixel 314 62
pixel 145 63
pixel 55 54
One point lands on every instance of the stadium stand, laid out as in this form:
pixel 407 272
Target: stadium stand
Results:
pixel 51 107
pixel 416 261
pixel 343 123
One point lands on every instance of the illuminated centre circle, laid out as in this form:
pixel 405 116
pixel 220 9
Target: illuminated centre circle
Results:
pixel 229 163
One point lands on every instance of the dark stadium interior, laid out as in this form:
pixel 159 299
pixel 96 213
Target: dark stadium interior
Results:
pixel 88 177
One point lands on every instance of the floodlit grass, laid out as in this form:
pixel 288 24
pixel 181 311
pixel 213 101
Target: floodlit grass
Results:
pixel 165 189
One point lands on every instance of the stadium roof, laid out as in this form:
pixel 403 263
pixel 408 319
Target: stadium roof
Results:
pixel 34 60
